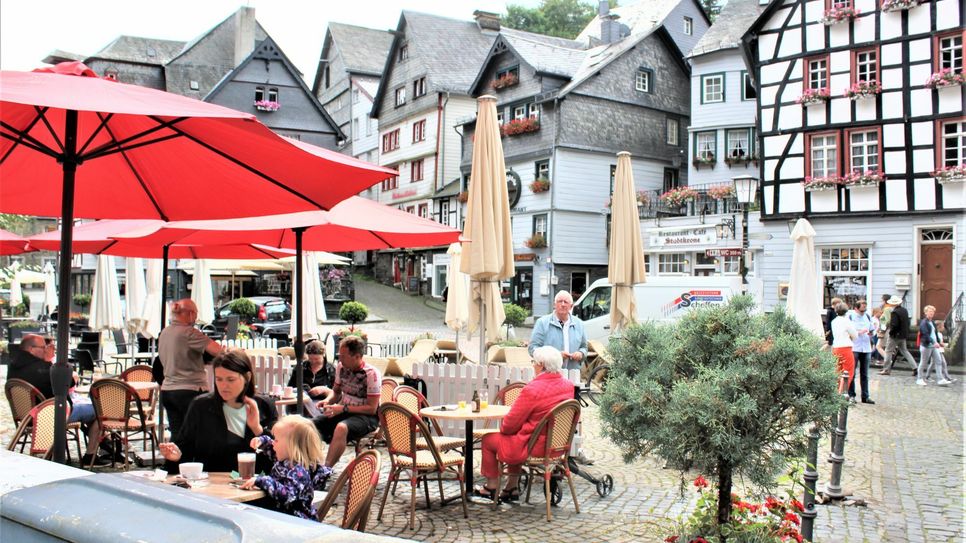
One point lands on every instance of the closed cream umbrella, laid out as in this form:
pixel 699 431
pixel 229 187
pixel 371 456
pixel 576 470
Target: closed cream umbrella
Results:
pixel 134 294
pixel 625 264
pixel 457 293
pixel 804 293
pixel 314 313
pixel 106 298
pixel 201 293
pixel 488 253
pixel 50 289
pixel 151 312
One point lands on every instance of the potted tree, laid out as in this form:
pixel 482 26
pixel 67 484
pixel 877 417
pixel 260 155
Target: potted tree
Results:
pixel 352 313
pixel 515 315
pixel 244 308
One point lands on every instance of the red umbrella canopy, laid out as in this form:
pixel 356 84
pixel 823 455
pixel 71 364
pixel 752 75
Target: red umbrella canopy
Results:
pixel 12 244
pixel 143 153
pixel 97 238
pixel 355 224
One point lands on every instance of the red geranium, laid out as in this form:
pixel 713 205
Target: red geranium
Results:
pixel 792 517
pixel 701 482
pixel 671 539
pixel 798 506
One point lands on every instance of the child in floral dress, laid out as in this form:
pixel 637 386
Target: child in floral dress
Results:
pixel 298 469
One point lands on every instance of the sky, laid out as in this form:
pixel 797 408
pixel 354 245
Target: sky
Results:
pixel 31 29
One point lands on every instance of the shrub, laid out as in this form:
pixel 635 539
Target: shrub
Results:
pixel 26 324
pixel 82 300
pixel 724 391
pixel 245 308
pixel 515 315
pixel 353 312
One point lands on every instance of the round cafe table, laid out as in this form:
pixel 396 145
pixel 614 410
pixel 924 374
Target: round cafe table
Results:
pixel 492 412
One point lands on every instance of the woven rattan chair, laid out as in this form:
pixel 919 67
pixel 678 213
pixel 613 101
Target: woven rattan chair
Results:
pixel 558 426
pixel 149 397
pixel 505 396
pixel 23 397
pixel 39 423
pixel 414 401
pixel 359 478
pixel 120 413
pixel 401 427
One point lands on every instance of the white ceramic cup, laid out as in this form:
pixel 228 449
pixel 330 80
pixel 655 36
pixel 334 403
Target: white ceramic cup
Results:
pixel 276 390
pixel 191 470
pixel 289 392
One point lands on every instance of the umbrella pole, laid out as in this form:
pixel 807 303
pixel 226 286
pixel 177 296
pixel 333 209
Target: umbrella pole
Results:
pixel 482 323
pixel 61 373
pixel 164 295
pixel 299 345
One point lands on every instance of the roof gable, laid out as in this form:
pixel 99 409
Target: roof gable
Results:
pixel 543 54
pixel 729 26
pixel 362 50
pixel 641 16
pixel 140 50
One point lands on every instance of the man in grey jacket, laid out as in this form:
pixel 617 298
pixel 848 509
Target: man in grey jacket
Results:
pixel 898 335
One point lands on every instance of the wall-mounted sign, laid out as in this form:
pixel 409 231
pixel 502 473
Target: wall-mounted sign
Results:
pixel 514 188
pixel 682 236
pixel 722 252
pixel 524 257
pixel 403 194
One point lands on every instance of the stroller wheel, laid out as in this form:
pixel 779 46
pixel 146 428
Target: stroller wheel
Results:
pixel 605 485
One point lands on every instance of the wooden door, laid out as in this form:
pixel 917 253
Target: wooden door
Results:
pixel 936 278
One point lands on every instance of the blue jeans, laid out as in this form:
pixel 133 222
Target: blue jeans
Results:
pixel 862 370
pixel 81 412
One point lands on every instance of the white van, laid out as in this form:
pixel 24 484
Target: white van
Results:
pixel 659 299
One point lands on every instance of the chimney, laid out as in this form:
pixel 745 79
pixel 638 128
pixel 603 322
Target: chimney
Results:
pixel 487 20
pixel 244 34
pixel 609 32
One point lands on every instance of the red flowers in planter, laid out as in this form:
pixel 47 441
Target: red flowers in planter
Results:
pixel 504 81
pixel 520 126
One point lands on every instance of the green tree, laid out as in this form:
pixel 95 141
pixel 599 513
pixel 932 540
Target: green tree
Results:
pixel 712 8
pixel 723 391
pixel 353 313
pixel 16 223
pixel 561 18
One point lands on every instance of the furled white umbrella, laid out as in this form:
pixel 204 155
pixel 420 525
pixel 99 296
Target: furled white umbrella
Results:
pixel 16 290
pixel 21 277
pixel 457 293
pixel 625 264
pixel 488 255
pixel 134 294
pixel 50 289
pixel 106 299
pixel 151 312
pixel 804 293
pixel 314 312
pixel 201 292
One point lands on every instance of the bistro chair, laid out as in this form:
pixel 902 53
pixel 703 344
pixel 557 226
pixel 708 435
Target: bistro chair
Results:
pixel 505 396
pixel 86 364
pixel 39 423
pixel 23 397
pixel 123 346
pixel 359 478
pixel 121 413
pixel 142 373
pixel 401 427
pixel 558 428
pixel 414 401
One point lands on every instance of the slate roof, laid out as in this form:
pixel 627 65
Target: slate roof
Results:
pixel 728 28
pixel 546 54
pixel 363 49
pixel 141 50
pixel 638 17
pixel 598 57
pixel 452 50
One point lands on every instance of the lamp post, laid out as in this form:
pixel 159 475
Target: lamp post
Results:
pixel 746 188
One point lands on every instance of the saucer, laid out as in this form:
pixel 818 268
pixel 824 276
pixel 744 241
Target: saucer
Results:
pixel 202 477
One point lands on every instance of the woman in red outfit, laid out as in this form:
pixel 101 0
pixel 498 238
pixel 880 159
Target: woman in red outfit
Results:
pixel 538 398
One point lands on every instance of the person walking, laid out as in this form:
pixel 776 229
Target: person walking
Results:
pixel 843 337
pixel 928 344
pixel 829 317
pixel 898 334
pixel 861 349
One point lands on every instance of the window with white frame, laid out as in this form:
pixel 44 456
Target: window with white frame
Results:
pixel 824 155
pixel 712 88
pixel 704 145
pixel 669 263
pixel 730 265
pixel 519 112
pixel 864 150
pixel 951 52
pixel 688 26
pixel 818 73
pixel 845 274
pixel 273 94
pixel 403 52
pixel 867 65
pixel 739 143
pixel 672 131
pixel 499 117
pixel 419 130
pixel 400 96
pixel 416 170
pixel 259 94
pixel 542 170
pixel 424 211
pixel 534 111
pixel 643 80
pixel 419 87
pixel 954 143
pixel 540 225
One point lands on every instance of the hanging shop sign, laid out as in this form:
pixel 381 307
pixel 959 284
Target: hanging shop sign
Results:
pixel 683 236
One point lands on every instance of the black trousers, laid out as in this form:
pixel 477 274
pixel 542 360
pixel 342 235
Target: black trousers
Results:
pixel 175 403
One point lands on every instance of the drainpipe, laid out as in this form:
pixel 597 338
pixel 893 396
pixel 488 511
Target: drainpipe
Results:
pixel 553 195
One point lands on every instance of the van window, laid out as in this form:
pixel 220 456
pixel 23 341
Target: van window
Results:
pixel 278 312
pixel 595 304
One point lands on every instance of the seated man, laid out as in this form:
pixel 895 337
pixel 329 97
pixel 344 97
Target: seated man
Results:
pixel 349 409
pixel 32 364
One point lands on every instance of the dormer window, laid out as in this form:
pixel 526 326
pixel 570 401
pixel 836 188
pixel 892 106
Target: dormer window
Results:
pixel 259 94
pixel 506 78
pixel 419 87
pixel 266 100
pixel 273 94
pixel 403 52
pixel 688 26
pixel 400 96
pixel 111 73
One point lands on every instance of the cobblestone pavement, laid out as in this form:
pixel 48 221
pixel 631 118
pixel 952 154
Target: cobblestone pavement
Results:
pixel 904 456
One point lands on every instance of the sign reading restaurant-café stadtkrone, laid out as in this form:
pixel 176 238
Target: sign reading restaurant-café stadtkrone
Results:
pixel 682 236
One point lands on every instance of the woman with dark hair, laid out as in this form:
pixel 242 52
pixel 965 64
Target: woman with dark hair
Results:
pixel 221 424
pixel 318 375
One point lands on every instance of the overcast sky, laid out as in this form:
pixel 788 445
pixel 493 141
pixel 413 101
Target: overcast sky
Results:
pixel 30 29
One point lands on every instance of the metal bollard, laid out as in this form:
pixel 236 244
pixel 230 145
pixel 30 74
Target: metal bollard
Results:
pixel 837 457
pixel 811 477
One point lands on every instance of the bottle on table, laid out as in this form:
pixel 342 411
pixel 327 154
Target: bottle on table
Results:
pixel 475 402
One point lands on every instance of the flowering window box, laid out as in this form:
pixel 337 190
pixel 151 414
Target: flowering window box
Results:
pixel 708 159
pixel 540 185
pixel 863 89
pixel 738 160
pixel 642 199
pixel 950 174
pixel 814 96
pixel 267 105
pixel 839 14
pixel 820 184
pixel 679 196
pixel 507 80
pixel 520 126
pixel 536 241
pixel 945 78
pixel 899 5
pixel 868 178
pixel 721 192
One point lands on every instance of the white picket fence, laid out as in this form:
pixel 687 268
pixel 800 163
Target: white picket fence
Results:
pixel 269 370
pixel 249 344
pixel 450 383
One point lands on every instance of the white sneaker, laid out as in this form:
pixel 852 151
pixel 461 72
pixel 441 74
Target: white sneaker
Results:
pixel 944 382
pixel 920 382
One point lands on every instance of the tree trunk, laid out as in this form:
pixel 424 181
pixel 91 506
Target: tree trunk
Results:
pixel 724 495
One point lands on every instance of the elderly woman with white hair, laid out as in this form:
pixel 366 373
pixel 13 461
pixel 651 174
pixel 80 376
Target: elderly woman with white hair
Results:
pixel 509 445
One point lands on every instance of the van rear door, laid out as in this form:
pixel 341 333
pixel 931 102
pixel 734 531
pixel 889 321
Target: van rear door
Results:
pixel 594 309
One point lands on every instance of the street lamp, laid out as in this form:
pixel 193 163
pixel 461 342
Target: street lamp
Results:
pixel 746 188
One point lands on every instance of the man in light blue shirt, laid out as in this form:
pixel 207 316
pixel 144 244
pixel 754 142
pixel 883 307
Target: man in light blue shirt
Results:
pixel 563 331
pixel 861 349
